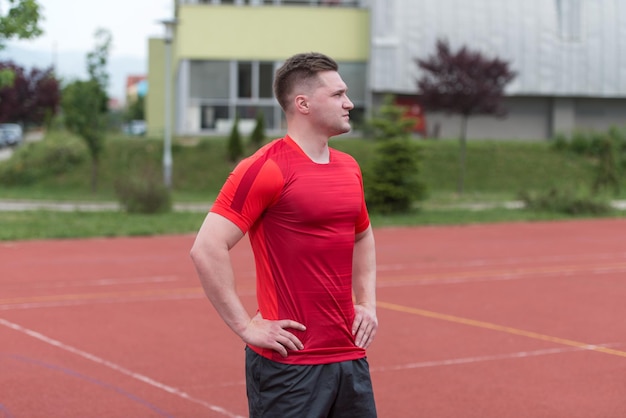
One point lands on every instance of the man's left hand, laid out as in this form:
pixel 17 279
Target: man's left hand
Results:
pixel 365 324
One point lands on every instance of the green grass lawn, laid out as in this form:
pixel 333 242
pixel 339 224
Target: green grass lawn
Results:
pixel 497 171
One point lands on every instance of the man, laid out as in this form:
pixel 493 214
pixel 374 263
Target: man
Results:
pixel 302 205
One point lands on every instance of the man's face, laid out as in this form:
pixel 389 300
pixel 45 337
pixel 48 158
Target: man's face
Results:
pixel 330 105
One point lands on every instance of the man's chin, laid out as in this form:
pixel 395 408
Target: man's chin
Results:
pixel 343 130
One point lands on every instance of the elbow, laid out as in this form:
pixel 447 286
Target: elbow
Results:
pixel 196 253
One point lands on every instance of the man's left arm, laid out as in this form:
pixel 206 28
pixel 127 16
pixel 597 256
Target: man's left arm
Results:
pixel 364 286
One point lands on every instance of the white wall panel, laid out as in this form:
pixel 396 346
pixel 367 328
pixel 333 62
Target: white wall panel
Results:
pixel 550 56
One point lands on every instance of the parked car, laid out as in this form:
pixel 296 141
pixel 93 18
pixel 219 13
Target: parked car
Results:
pixel 135 128
pixel 11 134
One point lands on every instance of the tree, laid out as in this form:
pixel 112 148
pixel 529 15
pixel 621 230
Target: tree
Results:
pixel 257 136
pixel 85 103
pixel 136 109
pixel 392 181
pixel 235 147
pixel 465 83
pixel 21 21
pixel 32 98
pixel 391 121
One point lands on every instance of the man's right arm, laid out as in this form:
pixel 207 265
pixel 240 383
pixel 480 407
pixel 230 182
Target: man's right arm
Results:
pixel 211 256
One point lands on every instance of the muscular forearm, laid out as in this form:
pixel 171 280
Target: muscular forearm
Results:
pixel 364 269
pixel 211 256
pixel 364 285
pixel 216 276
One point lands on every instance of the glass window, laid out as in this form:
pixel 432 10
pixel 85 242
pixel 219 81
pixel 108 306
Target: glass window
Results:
pixel 209 80
pixel 226 89
pixel 298 2
pixel 250 113
pixel 266 78
pixel 246 112
pixel 244 79
pixel 211 114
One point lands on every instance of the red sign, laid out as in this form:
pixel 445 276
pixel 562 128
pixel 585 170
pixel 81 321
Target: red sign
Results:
pixel 413 111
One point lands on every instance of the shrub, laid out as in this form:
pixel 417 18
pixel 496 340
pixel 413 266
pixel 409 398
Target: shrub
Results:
pixel 580 143
pixel 257 136
pixel 235 147
pixel 560 143
pixel 144 193
pixel 608 170
pixel 565 202
pixel 606 149
pixel 392 181
pixel 36 161
pixel 390 122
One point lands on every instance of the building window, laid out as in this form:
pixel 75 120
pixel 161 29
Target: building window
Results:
pixel 210 115
pixel 254 79
pixel 209 79
pixel 244 79
pixel 222 90
pixel 266 79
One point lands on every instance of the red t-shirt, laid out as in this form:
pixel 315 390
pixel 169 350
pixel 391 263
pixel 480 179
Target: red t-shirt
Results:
pixel 302 218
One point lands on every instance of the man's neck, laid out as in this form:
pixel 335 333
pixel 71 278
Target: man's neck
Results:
pixel 316 148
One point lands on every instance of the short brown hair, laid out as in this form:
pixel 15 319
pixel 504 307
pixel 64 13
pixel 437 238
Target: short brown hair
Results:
pixel 299 69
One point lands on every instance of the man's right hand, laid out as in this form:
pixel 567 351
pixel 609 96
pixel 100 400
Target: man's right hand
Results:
pixel 274 335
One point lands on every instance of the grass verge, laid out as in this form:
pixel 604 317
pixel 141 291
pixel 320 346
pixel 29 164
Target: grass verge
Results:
pixel 29 225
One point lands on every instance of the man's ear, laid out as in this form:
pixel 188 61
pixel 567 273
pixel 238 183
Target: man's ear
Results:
pixel 301 104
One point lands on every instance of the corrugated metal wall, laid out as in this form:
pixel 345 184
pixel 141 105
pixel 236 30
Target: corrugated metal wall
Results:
pixel 558 47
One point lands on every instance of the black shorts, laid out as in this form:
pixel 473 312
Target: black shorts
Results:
pixel 337 390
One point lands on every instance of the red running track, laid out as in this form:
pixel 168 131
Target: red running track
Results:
pixel 486 321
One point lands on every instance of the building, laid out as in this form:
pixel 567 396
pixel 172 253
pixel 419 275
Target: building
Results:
pixel 136 87
pixel 570 57
pixel 224 54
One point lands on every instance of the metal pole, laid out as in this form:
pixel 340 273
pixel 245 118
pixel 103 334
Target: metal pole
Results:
pixel 167 144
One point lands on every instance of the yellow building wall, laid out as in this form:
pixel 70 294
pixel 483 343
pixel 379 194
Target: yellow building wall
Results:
pixel 155 99
pixel 271 33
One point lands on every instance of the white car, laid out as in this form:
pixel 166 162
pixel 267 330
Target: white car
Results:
pixel 135 128
pixel 11 134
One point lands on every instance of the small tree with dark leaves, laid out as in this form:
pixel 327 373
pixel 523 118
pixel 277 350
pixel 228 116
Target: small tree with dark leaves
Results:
pixel 466 83
pixel 33 97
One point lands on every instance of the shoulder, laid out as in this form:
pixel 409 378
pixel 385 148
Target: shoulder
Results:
pixel 260 157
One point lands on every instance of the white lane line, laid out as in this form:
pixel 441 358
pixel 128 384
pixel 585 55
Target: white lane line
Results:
pixel 479 359
pixel 494 276
pixel 78 302
pixel 96 282
pixel 503 261
pixel 116 367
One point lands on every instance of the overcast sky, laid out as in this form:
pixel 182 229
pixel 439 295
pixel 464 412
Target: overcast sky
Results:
pixel 69 27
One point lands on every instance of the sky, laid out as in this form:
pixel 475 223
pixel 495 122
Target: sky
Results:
pixel 69 27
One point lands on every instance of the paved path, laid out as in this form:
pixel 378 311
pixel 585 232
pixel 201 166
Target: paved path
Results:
pixel 23 205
